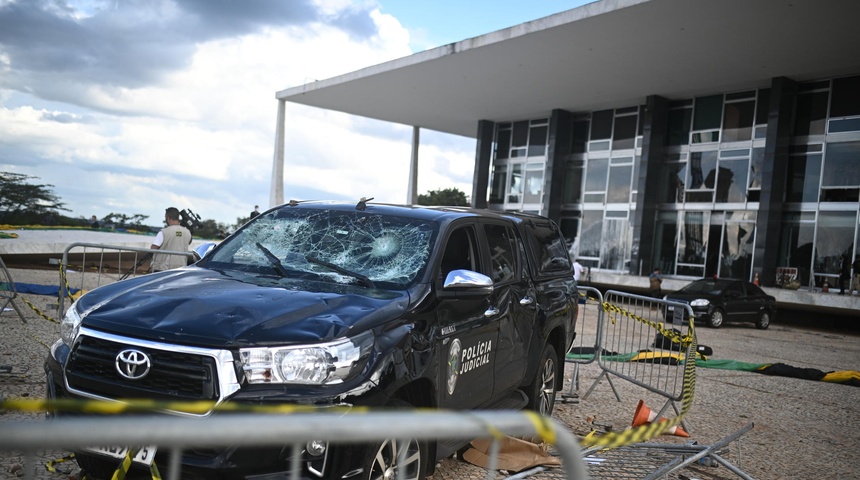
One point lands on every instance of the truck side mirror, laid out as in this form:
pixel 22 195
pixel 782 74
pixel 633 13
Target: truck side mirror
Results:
pixel 466 283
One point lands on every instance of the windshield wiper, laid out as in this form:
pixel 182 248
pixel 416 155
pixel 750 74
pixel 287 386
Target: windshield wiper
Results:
pixel 273 259
pixel 366 281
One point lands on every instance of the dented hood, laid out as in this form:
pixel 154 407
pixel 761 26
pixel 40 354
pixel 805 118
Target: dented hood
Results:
pixel 202 307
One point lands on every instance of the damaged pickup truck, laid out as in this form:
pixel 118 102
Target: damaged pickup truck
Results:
pixel 333 304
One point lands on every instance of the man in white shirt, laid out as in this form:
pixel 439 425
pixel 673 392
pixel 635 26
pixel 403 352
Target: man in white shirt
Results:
pixel 577 270
pixel 173 237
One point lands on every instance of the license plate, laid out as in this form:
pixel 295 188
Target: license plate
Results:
pixel 670 308
pixel 144 456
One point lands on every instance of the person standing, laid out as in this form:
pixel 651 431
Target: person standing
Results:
pixel 655 284
pixel 856 267
pixel 577 270
pixel 256 211
pixel 844 273
pixel 173 237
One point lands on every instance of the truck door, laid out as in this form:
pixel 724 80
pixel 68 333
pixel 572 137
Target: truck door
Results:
pixel 513 298
pixel 468 330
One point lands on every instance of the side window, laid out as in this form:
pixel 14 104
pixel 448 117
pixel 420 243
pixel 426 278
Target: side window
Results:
pixel 503 253
pixel 460 251
pixel 754 290
pixel 550 249
pixel 735 289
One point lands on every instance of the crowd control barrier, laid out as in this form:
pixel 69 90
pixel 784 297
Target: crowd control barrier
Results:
pixel 587 342
pixel 89 265
pixel 174 434
pixel 8 292
pixel 645 340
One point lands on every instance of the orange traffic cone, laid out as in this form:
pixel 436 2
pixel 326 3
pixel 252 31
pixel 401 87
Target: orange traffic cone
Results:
pixel 755 278
pixel 644 415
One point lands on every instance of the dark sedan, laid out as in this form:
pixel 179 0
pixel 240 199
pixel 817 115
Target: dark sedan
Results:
pixel 720 300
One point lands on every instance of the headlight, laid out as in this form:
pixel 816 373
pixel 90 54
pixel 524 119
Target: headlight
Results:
pixel 323 364
pixel 700 302
pixel 70 324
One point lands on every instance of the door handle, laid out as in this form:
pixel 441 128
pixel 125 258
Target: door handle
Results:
pixel 491 312
pixel 527 300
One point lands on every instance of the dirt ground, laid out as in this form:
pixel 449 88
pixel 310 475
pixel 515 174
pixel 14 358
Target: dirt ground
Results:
pixel 801 428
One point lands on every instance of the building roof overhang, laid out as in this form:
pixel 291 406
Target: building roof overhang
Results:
pixel 610 53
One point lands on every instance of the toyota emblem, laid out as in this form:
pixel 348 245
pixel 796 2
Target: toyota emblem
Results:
pixel 132 364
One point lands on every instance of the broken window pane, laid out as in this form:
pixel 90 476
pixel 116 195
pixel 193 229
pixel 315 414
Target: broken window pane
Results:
pixel 385 249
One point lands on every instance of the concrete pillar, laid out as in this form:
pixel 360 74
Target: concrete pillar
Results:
pixel 412 186
pixel 655 116
pixel 780 122
pixel 276 191
pixel 483 162
pixel 558 150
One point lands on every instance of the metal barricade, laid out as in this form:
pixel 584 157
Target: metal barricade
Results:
pixel 98 264
pixel 587 342
pixel 176 434
pixel 8 293
pixel 632 346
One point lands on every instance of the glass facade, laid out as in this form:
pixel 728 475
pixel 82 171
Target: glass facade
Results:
pixel 519 161
pixel 712 170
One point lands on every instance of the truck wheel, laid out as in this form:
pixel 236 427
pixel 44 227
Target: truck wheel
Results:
pixel 716 319
pixel 383 459
pixel 541 392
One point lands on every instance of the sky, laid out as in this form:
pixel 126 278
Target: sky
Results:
pixel 133 106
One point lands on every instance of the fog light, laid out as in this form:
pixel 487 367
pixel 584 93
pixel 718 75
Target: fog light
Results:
pixel 315 448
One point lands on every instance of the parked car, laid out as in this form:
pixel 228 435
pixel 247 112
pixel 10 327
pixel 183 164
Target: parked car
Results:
pixel 720 300
pixel 333 304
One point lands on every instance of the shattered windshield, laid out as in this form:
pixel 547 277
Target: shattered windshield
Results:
pixel 345 247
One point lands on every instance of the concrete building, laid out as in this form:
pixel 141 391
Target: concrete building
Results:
pixel 705 138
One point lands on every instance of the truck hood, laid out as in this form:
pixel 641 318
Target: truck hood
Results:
pixel 202 307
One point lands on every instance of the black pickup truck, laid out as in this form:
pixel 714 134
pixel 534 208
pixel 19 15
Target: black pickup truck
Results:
pixel 333 304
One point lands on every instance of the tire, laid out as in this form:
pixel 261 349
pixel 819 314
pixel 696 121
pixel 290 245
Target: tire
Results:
pixel 763 321
pixel 541 392
pixel 383 459
pixel 716 319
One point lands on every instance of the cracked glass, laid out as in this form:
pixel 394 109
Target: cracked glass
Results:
pixel 338 246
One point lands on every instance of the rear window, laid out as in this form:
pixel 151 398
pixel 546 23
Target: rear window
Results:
pixel 549 247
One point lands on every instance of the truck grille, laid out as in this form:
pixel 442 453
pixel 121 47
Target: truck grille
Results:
pixel 174 375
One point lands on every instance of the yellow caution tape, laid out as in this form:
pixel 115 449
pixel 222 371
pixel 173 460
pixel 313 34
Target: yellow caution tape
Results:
pixel 36 309
pixel 132 405
pixel 543 427
pixel 123 467
pixel 50 465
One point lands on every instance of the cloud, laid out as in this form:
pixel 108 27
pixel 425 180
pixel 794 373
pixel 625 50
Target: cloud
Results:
pixel 132 44
pixel 131 106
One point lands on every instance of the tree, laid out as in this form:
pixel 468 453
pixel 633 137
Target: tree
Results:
pixel 121 220
pixel 445 197
pixel 211 229
pixel 23 203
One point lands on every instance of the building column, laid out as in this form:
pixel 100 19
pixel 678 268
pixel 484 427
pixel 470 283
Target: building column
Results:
pixel 412 186
pixel 276 190
pixel 558 149
pixel 644 222
pixel 780 122
pixel 483 163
